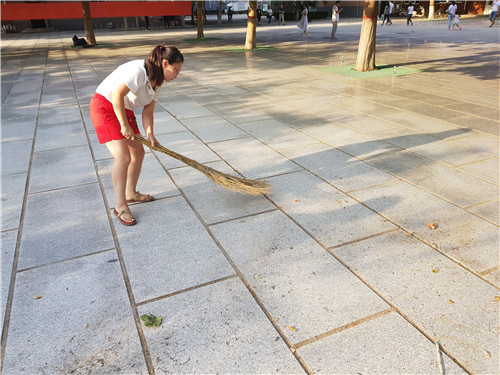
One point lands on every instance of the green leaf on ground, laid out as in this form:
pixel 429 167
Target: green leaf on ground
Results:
pixel 151 320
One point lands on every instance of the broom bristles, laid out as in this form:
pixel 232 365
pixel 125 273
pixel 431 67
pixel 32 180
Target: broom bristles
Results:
pixel 237 184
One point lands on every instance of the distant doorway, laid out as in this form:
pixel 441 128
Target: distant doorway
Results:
pixel 38 24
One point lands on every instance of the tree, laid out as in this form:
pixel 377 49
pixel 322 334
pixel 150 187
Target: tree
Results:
pixel 89 28
pixel 431 9
pixel 219 13
pixel 199 18
pixel 251 25
pixel 365 60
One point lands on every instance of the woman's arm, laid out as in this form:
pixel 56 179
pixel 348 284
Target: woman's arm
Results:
pixel 148 121
pixel 118 101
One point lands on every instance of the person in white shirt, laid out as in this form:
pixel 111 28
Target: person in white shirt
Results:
pixel 494 11
pixel 456 22
pixel 335 18
pixel 452 9
pixel 409 15
pixel 269 15
pixel 132 85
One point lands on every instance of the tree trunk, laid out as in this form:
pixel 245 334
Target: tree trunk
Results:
pixel 251 25
pixel 367 40
pixel 199 19
pixel 431 9
pixel 89 28
pixel 219 14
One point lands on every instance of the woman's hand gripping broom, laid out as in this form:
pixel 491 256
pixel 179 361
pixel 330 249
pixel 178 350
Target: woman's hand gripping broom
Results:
pixel 240 185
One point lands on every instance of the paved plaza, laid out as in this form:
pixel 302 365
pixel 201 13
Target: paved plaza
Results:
pixel 337 272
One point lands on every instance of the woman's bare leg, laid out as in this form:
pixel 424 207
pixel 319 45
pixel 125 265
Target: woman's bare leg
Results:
pixel 120 151
pixel 136 151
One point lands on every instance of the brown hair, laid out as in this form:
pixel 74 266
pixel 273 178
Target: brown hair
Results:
pixel 155 60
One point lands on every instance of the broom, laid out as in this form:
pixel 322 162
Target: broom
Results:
pixel 240 185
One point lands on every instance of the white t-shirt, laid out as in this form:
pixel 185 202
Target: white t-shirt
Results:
pixel 452 9
pixel 391 6
pixel 133 74
pixel 496 4
pixel 410 9
pixel 456 20
pixel 335 13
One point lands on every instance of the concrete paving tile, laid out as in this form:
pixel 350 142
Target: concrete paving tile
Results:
pixel 59 115
pixel 17 129
pixel 368 124
pixel 8 248
pixel 329 215
pixel 75 327
pixel 213 128
pixel 465 237
pixel 489 211
pixel 488 170
pixel 216 329
pixel 15 156
pixel 174 260
pixel 52 98
pixel 479 123
pixel 236 113
pixel 276 135
pixel 446 182
pixel 253 159
pixel 336 167
pixel 299 283
pixel 429 289
pixel 213 202
pixel 289 115
pixel 60 168
pixel 78 212
pixel 481 143
pixel 187 145
pixel 12 196
pixel 182 110
pixel 164 123
pixel 491 113
pixel 23 95
pixel 153 180
pixel 432 146
pixel 419 122
pixel 60 135
pixel 385 345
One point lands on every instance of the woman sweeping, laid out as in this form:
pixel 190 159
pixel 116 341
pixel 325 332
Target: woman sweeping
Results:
pixel 132 85
pixel 303 21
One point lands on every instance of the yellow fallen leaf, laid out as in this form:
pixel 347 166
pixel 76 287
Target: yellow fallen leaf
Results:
pixel 431 226
pixel 451 302
pixel 297 200
pixel 487 354
pixel 497 298
pixel 292 328
pixel 38 296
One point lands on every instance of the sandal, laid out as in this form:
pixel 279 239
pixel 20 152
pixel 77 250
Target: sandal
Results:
pixel 141 198
pixel 124 212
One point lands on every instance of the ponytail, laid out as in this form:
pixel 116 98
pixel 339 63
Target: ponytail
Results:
pixel 155 60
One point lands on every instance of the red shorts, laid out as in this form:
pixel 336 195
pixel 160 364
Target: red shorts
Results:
pixel 105 122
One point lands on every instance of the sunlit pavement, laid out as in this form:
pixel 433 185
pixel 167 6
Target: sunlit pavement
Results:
pixel 376 253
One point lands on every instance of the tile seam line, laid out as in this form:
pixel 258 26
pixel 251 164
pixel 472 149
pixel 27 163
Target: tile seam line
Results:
pixel 13 276
pixel 344 327
pixel 125 277
pixel 403 315
pixel 65 260
pixel 456 261
pixel 15 81
pixel 240 275
pixel 352 197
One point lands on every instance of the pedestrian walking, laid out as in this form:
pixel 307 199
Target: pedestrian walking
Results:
pixel 456 22
pixel 335 18
pixel 269 15
pixel 259 15
pixel 229 15
pixel 131 85
pixel 281 12
pixel 387 15
pixel 494 11
pixel 452 9
pixel 409 15
pixel 303 21
pixel 146 21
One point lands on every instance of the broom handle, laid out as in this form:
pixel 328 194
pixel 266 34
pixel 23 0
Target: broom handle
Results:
pixel 175 155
